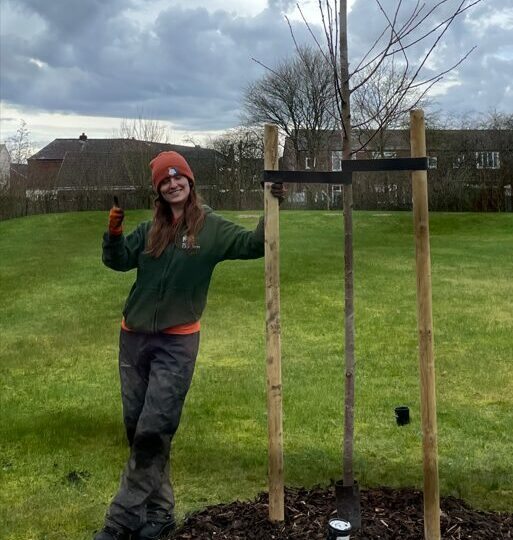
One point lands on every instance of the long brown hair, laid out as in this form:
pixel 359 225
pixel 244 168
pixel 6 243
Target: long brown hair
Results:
pixel 163 231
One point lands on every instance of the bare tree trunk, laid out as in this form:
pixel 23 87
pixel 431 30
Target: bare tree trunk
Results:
pixel 348 477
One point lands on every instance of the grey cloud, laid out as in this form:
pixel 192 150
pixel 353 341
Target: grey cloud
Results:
pixel 71 17
pixel 190 65
pixel 482 74
pixel 281 5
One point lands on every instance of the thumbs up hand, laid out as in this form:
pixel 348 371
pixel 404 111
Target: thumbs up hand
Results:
pixel 116 216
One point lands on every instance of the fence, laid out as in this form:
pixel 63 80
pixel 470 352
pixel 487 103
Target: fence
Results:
pixel 372 191
pixel 54 201
pixel 381 191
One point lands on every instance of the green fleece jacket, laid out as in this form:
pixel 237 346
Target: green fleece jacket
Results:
pixel 172 289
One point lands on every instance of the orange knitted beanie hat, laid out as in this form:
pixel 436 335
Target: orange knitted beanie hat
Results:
pixel 169 164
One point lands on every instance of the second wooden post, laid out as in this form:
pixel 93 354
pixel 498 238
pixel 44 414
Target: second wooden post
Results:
pixel 425 328
pixel 273 331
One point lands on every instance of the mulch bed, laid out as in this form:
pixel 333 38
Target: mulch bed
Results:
pixel 386 514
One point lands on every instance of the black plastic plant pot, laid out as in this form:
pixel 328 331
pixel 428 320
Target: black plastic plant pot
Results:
pixel 402 416
pixel 348 504
pixel 339 529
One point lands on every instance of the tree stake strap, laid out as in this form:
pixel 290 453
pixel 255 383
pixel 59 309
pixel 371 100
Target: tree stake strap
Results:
pixel 349 166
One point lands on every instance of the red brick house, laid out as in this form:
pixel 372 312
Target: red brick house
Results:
pixel 107 164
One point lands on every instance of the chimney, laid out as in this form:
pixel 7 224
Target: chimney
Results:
pixel 83 137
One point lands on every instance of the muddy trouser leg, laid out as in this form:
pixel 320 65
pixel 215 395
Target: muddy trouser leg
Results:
pixel 134 373
pixel 162 501
pixel 171 360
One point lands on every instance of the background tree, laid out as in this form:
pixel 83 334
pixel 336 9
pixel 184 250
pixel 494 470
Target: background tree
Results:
pixel 140 138
pixel 298 96
pixel 241 152
pixel 143 129
pixel 19 145
pixel 12 185
pixel 374 111
pixel 496 120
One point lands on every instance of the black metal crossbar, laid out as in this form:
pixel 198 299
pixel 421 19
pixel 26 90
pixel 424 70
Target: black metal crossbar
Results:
pixel 349 166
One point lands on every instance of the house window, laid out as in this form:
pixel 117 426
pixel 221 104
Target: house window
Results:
pixel 336 160
pixel 459 162
pixel 336 193
pixel 299 197
pixel 383 155
pixel 432 162
pixel 310 162
pixel 487 160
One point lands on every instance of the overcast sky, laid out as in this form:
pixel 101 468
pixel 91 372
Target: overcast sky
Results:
pixel 69 66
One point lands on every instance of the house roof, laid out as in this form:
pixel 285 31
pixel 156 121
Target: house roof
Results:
pixel 449 139
pixel 112 162
pixel 394 139
pixel 94 169
pixel 58 148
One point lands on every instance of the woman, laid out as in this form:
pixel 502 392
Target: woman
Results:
pixel 175 255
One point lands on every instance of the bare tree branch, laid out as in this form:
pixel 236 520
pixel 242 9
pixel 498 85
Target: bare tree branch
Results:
pixel 383 88
pixel 298 96
pixel 406 31
pixel 439 76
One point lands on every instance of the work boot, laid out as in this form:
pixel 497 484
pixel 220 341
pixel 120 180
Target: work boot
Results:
pixel 156 528
pixel 109 533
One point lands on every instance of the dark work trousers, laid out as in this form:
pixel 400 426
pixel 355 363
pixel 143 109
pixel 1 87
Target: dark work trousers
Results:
pixel 156 372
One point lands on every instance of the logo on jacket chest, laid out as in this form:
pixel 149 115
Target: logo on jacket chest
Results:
pixel 191 249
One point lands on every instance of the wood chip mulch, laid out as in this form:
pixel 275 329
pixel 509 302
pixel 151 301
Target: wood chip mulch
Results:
pixel 386 514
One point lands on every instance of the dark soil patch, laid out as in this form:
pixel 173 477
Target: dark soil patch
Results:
pixel 386 514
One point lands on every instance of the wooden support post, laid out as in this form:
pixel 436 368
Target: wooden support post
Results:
pixel 425 329
pixel 272 297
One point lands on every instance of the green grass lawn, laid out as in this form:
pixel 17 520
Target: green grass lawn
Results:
pixel 62 445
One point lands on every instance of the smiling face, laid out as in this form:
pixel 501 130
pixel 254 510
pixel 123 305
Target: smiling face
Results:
pixel 175 190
